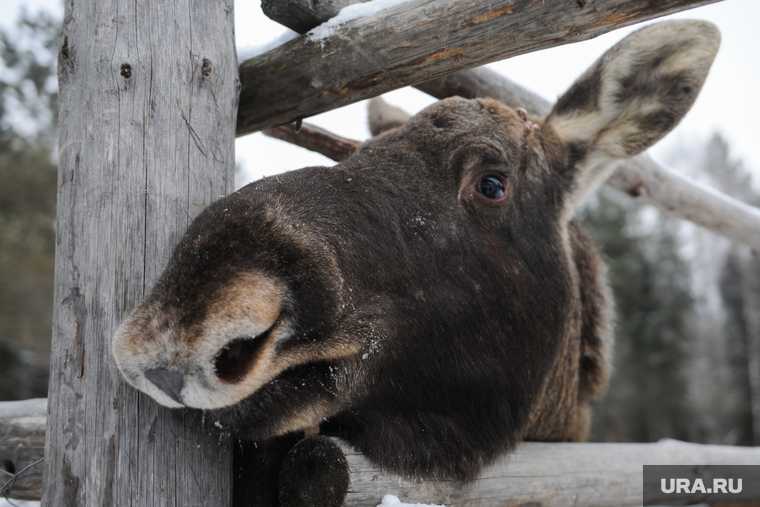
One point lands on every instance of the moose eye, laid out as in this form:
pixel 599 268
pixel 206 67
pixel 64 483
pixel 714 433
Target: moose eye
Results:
pixel 491 187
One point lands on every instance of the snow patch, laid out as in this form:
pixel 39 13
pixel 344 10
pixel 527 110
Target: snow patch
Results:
pixel 352 12
pixel 248 52
pixel 393 501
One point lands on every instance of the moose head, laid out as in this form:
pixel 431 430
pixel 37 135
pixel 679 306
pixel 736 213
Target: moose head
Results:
pixel 431 300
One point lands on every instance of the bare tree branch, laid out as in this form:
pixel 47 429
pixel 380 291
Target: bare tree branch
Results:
pixel 22 442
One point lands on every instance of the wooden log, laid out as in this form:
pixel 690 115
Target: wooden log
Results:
pixel 316 139
pixel 415 42
pixel 546 474
pixel 649 183
pixel 22 443
pixel 326 471
pixel 148 93
pixel 303 15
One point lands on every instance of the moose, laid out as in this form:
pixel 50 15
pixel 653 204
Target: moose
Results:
pixel 432 299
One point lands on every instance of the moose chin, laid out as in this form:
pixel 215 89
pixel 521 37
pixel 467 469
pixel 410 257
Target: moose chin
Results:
pixel 432 299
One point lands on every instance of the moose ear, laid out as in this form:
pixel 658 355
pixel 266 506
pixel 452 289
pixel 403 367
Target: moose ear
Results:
pixel 631 97
pixel 383 116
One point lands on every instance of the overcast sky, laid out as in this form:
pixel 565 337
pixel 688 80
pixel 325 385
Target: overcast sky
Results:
pixel 728 103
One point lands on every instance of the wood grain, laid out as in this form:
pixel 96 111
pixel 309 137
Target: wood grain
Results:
pixel 148 93
pixel 415 42
pixel 542 474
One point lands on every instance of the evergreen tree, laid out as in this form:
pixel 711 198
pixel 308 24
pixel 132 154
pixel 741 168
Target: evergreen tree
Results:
pixel 646 399
pixel 740 290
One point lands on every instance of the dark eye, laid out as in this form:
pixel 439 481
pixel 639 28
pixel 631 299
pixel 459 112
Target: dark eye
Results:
pixel 491 187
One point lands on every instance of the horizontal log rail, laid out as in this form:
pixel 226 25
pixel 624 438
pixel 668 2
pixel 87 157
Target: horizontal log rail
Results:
pixel 329 472
pixel 415 42
pixel 546 474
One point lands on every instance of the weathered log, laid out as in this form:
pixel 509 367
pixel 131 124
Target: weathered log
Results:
pixel 148 94
pixel 415 42
pixel 649 183
pixel 546 474
pixel 329 472
pixel 22 443
pixel 303 15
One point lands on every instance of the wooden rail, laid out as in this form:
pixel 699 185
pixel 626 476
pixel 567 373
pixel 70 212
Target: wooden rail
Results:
pixel 326 472
pixel 415 42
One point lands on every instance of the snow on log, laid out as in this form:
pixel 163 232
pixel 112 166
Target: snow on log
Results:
pixel 414 42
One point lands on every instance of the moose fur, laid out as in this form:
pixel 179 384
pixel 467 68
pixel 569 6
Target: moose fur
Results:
pixel 431 300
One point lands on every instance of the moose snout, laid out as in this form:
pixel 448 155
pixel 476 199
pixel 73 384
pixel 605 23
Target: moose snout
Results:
pixel 169 381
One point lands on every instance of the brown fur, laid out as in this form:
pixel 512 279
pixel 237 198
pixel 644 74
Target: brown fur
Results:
pixel 392 302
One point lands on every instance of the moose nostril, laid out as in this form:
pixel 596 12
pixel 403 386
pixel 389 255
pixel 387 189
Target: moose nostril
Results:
pixel 236 358
pixel 169 381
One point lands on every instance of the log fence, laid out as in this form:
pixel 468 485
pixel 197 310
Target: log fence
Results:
pixel 323 471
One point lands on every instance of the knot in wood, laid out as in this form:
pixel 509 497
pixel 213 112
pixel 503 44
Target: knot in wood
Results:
pixel 126 71
pixel 206 69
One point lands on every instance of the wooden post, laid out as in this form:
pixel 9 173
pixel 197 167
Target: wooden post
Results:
pixel 148 97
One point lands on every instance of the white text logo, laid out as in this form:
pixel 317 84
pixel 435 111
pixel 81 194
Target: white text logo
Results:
pixel 685 486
